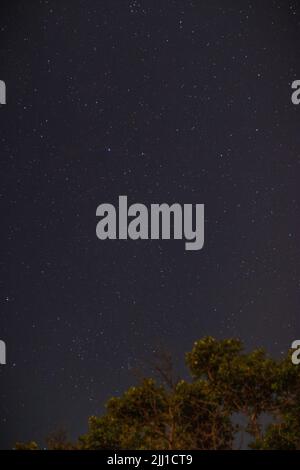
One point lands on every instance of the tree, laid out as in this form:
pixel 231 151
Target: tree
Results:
pixel 245 383
pixel 226 383
pixel 151 417
pixel 32 445
pixel 58 440
pixel 284 430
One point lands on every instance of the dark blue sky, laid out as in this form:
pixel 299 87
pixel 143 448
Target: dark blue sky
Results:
pixel 174 101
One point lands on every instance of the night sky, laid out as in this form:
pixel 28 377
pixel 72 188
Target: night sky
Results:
pixel 162 101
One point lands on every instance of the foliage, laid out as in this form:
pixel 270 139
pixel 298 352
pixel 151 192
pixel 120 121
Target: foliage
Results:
pixel 32 445
pixel 227 384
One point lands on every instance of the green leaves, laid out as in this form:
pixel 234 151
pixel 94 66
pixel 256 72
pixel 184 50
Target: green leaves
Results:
pixel 227 383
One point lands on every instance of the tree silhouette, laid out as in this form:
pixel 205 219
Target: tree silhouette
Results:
pixel 226 383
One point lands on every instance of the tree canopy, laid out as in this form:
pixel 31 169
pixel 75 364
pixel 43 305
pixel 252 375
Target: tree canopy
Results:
pixel 232 394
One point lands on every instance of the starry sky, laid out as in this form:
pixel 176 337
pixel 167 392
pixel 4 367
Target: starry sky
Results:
pixel 174 101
